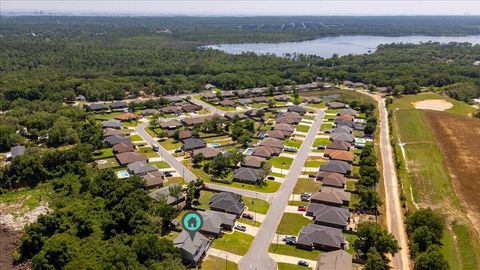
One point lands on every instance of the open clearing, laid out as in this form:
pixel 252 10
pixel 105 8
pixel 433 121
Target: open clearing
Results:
pixel 433 104
pixel 427 179
pixel 458 139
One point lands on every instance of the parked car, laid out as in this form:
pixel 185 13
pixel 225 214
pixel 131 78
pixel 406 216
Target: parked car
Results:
pixel 240 227
pixel 305 196
pixel 302 208
pixel 270 177
pixel 155 147
pixel 178 150
pixel 291 242
pixel 289 238
pixel 167 174
pixel 302 263
pixel 247 215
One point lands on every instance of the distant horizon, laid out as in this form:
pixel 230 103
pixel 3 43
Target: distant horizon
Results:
pixel 246 8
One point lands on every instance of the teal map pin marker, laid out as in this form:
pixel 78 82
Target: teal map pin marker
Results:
pixel 192 222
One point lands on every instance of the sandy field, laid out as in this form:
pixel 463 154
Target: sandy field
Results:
pixel 433 104
pixel 458 138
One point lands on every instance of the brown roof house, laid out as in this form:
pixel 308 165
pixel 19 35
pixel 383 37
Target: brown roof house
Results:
pixel 171 110
pixel 207 152
pixel 272 142
pixel 283 98
pixel 123 147
pixel 184 134
pixel 232 115
pixel 339 155
pixel 171 124
pixel 331 196
pixel 130 157
pixel 289 118
pixel 336 105
pixel 284 127
pixel 278 134
pixel 331 179
pixel 253 162
pixel 261 99
pixel 265 151
pixel 192 121
pixel 191 108
pixel 227 103
pixel 153 179
pixel 111 132
pixel 339 145
pixel 338 259
pixel 128 116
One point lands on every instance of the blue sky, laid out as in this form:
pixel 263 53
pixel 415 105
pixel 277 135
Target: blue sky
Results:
pixel 251 7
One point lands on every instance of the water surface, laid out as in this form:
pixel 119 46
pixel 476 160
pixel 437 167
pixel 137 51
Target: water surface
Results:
pixel 341 45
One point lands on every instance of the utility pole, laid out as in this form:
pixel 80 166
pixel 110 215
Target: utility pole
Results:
pixel 226 261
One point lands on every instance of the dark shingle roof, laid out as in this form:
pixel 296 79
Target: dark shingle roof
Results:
pixel 193 143
pixel 250 175
pixel 227 202
pixel 314 234
pixel 336 166
pixel 118 105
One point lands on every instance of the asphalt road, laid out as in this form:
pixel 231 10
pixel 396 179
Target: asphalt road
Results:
pixel 257 256
pixel 188 175
pixel 394 215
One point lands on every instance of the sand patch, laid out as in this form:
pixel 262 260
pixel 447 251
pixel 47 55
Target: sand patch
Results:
pixel 433 104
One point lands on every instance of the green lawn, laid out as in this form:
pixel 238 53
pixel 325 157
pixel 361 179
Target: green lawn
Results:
pixel 249 222
pixel 148 151
pixel 321 142
pixel 293 251
pixel 314 163
pixel 297 203
pixel 160 164
pixel 106 116
pixel 111 163
pixel 351 239
pixel 292 223
pixel 103 153
pixel 405 102
pixel 256 205
pixel 288 266
pixel 281 162
pixel 302 128
pixel 351 184
pixel 175 180
pixel 325 126
pixel 331 111
pixel 307 185
pixel 136 138
pixel 216 263
pixel 236 242
pixel 204 200
pixel 293 143
pixel 309 117
pixel 170 144
pixel 276 174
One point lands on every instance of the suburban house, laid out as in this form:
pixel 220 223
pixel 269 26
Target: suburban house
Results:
pixel 348 117
pixel 153 179
pixel 320 237
pixel 342 155
pixel 148 112
pixel 340 136
pixel 253 162
pixel 314 100
pixel 283 98
pixel 112 131
pixel 343 122
pixel 252 112
pixel 184 134
pixel 140 168
pixel 340 129
pixel 338 259
pixel 209 95
pixel 227 103
pixel 297 109
pixel 336 105
pixel 248 175
pixel 123 147
pixel 192 250
pixel 16 151
pixel 128 116
pixel 331 216
pixel 337 166
pixel 116 139
pixel 278 134
pixel 227 94
pixel 227 202
pixel 171 110
pixel 244 102
pixel 130 157
pixel 289 118
pixel 192 121
pixel 115 124
pixel 286 128
pixel 118 105
pixel 258 91
pixel 214 222
pixel 192 144
pixel 360 85
pixel 175 99
pixel 95 107
pixel 339 145
pixel 231 115
pixel 165 193
pixel 191 108
pixel 209 86
pixel 347 111
pixel 170 124
pixel 242 93
pixel 207 152
pixel 348 83
pixel 331 196
pixel 266 151
pixel 261 99
pixel 272 142
pixel 331 179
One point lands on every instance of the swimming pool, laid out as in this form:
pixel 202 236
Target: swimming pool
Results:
pixel 248 151
pixel 213 145
pixel 123 174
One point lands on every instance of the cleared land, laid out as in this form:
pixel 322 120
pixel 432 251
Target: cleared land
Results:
pixel 426 177
pixel 458 139
pixel 433 104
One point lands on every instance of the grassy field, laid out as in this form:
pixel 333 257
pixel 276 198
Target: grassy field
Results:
pixel 236 242
pixel 293 143
pixel 293 251
pixel 111 163
pixel 174 180
pixel 306 185
pixel 281 162
pixel 302 128
pixel 292 223
pixel 170 144
pixel 256 205
pixel 426 179
pixel 321 142
pixel 26 198
pixel 250 222
pixel 216 263
pixel 103 153
pixel 148 151
pixel 136 138
pixel 160 164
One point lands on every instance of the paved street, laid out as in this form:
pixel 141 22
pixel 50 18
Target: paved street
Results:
pixel 392 201
pixel 257 256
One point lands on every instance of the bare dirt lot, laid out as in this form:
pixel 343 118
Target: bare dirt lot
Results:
pixel 433 104
pixel 459 140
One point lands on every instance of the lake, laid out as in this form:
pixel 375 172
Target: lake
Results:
pixel 342 45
